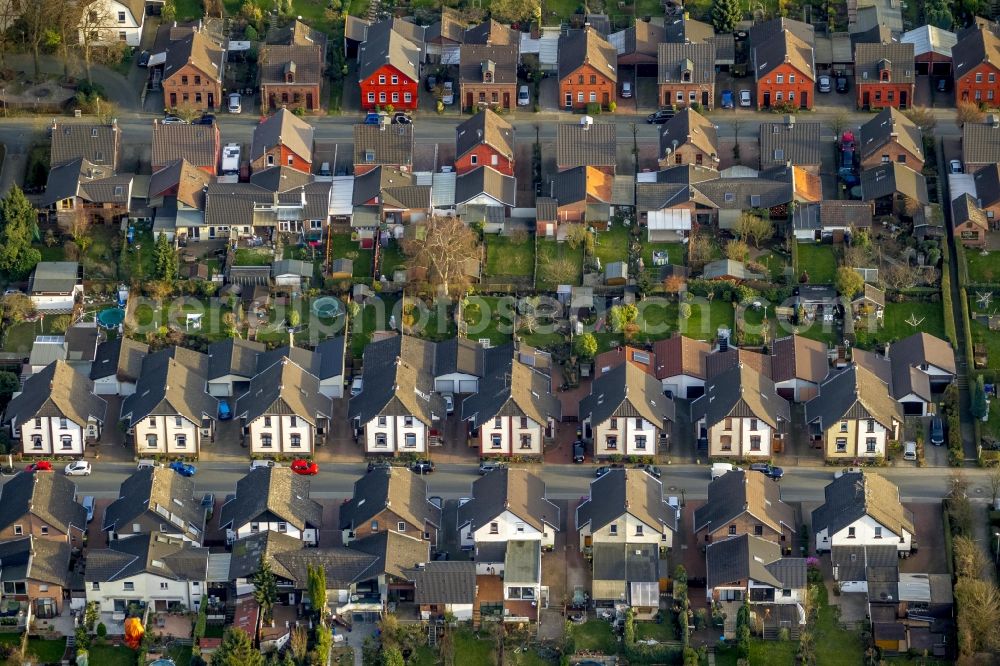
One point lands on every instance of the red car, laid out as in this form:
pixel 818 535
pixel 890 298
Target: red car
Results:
pixel 40 466
pixel 305 467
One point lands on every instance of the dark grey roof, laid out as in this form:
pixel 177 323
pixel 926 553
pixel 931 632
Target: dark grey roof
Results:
pixel 751 558
pixel 154 554
pixel 165 494
pixel 511 388
pixel 626 391
pixel 398 380
pixel 49 496
pixel 697 61
pixel 247 553
pixel 739 493
pixel 626 491
pixel 272 491
pixel 769 189
pixel 388 145
pixel 233 203
pixel 172 382
pixel 922 349
pixel 740 391
pixel 790 141
pixel 97 144
pixel 767 31
pixel 854 393
pixel 477 59
pixel 974 48
pixel 854 496
pixel 305 359
pixel 331 354
pixel 386 45
pixel 854 563
pixel 33 559
pixel 286 129
pixel 726 268
pixel 981 142
pixel 280 179
pixel 516 490
pixel 486 127
pixel 870 60
pixel 121 357
pixel 890 125
pixel 586 145
pixel 284 388
pixel 892 178
pixel 305 61
pixel 395 489
pixel 485 180
pixel 397 554
pixel 56 391
pixel 838 213
pixel 965 209
pixel 629 562
pixel 343 566
pixel 587 46
pixel 392 187
pixel 987 181
pixel 233 356
pixel 642 38
pixel 687 30
pixel 444 583
pixel 88 181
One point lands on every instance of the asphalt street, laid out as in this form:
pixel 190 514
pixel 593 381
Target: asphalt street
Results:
pixel 562 481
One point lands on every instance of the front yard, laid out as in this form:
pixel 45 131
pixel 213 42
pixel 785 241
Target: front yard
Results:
pixel 504 256
pixel 818 261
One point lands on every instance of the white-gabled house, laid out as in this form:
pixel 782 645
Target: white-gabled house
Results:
pixel 508 504
pixel 626 413
pixel 56 413
pixel 162 572
pixel 117 366
pixel 626 506
pixel 863 509
pixel 681 365
pixel 275 499
pixel 748 567
pixel 111 21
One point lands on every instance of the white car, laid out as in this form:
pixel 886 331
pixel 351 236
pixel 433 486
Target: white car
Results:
pixel 523 97
pixel 235 103
pixel 263 463
pixel 825 85
pixel 449 403
pixel 955 166
pixel 78 468
pixel 173 120
pixel 745 99
pixel 448 98
pixel 720 468
pixel 356 386
pixel 88 505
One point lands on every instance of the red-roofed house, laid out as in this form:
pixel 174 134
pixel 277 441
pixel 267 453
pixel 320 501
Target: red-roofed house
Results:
pixel 680 365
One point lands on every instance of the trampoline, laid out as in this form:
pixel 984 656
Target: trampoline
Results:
pixel 111 317
pixel 327 307
pixel 163 662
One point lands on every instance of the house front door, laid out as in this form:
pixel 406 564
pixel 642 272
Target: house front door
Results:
pixel 903 99
pixel 805 100
pixel 211 100
pixel 767 100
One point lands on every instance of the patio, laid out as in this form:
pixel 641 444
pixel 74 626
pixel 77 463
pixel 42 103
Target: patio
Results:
pixel 177 626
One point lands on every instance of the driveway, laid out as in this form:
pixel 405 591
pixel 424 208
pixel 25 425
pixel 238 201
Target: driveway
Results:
pixel 931 557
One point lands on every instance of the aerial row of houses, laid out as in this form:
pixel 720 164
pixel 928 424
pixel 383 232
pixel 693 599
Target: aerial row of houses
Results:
pixel 284 399
pixel 382 552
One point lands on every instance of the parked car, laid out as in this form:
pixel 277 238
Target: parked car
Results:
pixel 206 119
pixel 172 120
pixel 449 403
pixel 305 467
pixel 143 60
pixel 235 103
pixel 847 470
pixel 431 83
pixel 909 451
pixel 78 468
pixel 488 466
pixel 579 451
pixel 448 98
pixel 841 84
pixel 379 464
pixel 40 466
pixel 660 117
pixel 652 470
pixel 746 99
pixel 937 431
pixel 254 464
pixel 373 118
pixel 88 505
pixel 720 468
pixel 727 99
pixel 604 469
pixel 183 468
pixel 955 166
pixel 768 470
pixel 356 385
pixel 824 84
pixel 422 467
pixel 401 118
pixel 147 463
pixel 626 91
pixel 208 501
pixel 523 96
pixel 225 413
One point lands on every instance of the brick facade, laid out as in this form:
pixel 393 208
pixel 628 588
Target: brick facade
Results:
pixel 492 95
pixel 785 84
pixel 585 85
pixel 280 155
pixel 292 96
pixel 679 95
pixel 389 86
pixel 191 88
pixel 880 94
pixel 485 155
pixel 980 85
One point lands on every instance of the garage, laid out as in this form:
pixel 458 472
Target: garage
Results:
pixel 468 386
pixel 695 392
pixel 912 407
pixel 444 385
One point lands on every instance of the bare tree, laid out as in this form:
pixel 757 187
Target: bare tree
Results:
pixel 967 112
pixel 978 603
pixel 754 229
pixel 899 276
pixel 96 24
pixel 37 17
pixel 922 117
pixel 443 252
pixel 995 485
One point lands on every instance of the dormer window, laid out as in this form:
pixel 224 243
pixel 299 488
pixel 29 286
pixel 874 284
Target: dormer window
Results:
pixel 489 70
pixel 687 70
pixel 290 72
pixel 885 70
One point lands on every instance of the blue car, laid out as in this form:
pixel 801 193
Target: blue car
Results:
pixel 224 412
pixel 183 468
pixel 727 99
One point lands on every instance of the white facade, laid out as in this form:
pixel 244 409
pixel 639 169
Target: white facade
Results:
pixel 112 386
pixel 462 612
pixel 389 435
pixel 157 591
pixel 624 436
pixel 308 535
pixel 865 531
pixel 507 527
pixel 681 385
pixel 627 529
pixel 113 22
pixel 56 302
pixel 511 436
pixel 50 435
pixel 456 382
pixel 737 592
pixel 739 438
pixel 170 435
pixel 913 398
pixel 332 387
pixel 283 434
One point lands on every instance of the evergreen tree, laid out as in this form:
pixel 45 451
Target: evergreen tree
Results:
pixel 725 15
pixel 743 629
pixel 18 225
pixel 938 13
pixel 165 259
pixel 317 590
pixel 265 589
pixel 237 649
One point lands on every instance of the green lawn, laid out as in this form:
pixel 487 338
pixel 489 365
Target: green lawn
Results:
pixel 253 257
pixel 189 9
pixel 983 268
pixel 48 652
pixel 658 631
pixel 504 257
pixel 10 638
pixel 701 327
pixel 175 314
pixel 433 322
pixel 677 252
pixel 373 317
pixel 489 317
pixel 181 655
pixel 18 338
pixel 764 653
pixel 423 656
pixel 358 7
pixel 107 655
pixel 54 253
pixel 834 646
pixel 595 636
pixel 658 320
pixel 611 245
pixel 895 327
pixel 545 340
pixel 776 264
pixel 817 260
pixel 345 248
pixel 981 334
pixel 558 264
pixel 471 650
pixel 392 258
pixel 138 264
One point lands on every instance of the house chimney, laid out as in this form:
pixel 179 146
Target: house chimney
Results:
pixel 993 120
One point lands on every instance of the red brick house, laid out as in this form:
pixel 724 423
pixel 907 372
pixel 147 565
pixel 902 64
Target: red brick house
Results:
pixel 588 70
pixel 192 73
pixel 686 75
pixel 291 69
pixel 388 68
pixel 282 140
pixel 487 77
pixel 785 71
pixel 198 145
pixel 969 222
pixel 884 75
pixel 931 49
pixel 485 139
pixel 976 59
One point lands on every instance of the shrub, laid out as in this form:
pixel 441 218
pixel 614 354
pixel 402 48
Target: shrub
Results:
pixel 593 109
pixel 102 630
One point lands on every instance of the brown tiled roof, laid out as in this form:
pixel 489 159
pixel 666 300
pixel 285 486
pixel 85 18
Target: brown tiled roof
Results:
pixel 981 142
pixel 98 144
pixel 850 498
pixel 784 48
pixel 450 27
pixel 688 127
pixel 974 48
pixel 197 50
pixel 306 61
pixel 388 145
pixel 594 145
pixel 921 348
pixel 607 361
pixel 587 46
pixel 492 32
pixel 643 39
pixel 198 144
pixel 57 391
pixel 790 141
pixel 869 58
pixel 299 34
pixel 681 355
pixel 486 127
pixel 718 362
pixel 891 179
pixel 833 213
pixel 965 209
pixel 769 30
pixel 189 180
pixel 890 125
pixel 854 393
pixel 476 59
pixel 798 357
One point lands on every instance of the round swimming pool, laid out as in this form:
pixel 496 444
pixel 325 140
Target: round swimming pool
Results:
pixel 111 317
pixel 327 307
